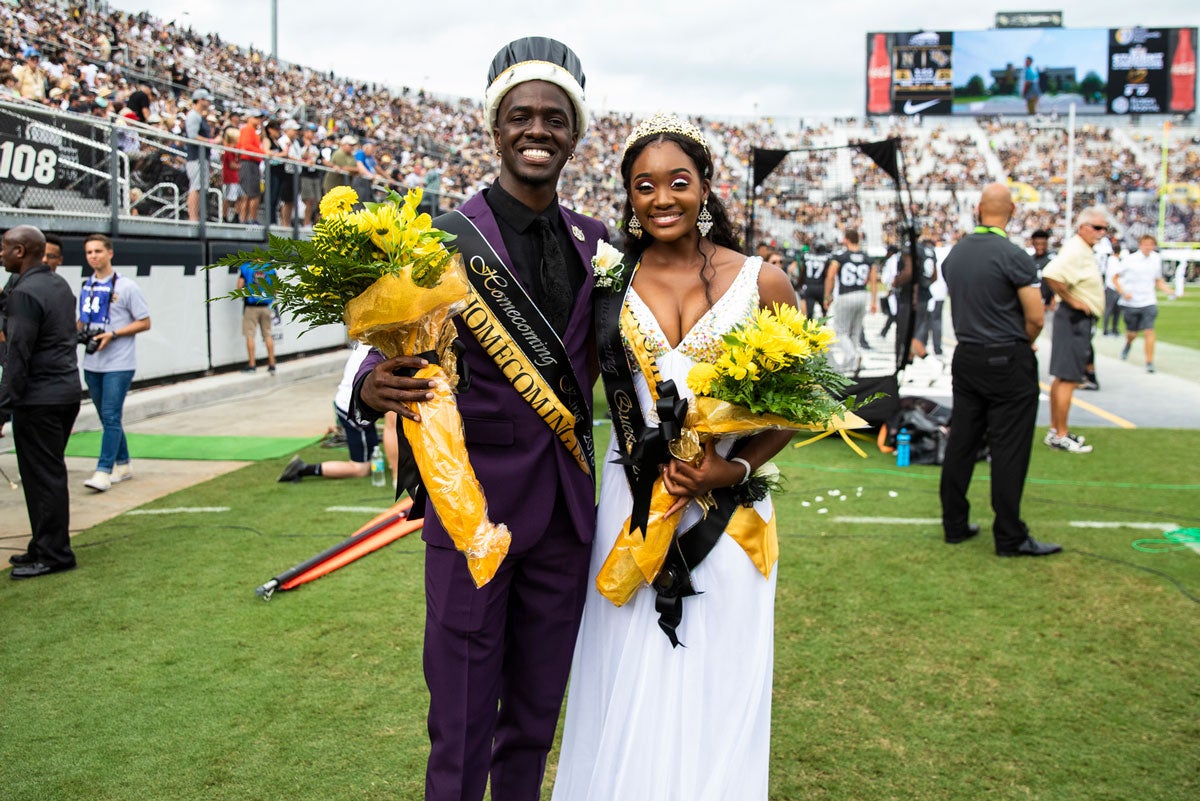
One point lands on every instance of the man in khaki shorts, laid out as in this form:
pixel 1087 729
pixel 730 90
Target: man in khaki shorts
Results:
pixel 256 315
pixel 1079 284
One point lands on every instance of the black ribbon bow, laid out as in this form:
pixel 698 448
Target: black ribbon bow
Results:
pixel 652 449
pixel 672 584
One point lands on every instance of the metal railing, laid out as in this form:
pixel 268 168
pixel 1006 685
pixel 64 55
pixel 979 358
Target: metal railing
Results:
pixel 63 164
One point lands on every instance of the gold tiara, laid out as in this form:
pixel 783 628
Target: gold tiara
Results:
pixel 665 123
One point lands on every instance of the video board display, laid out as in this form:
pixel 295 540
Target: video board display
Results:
pixel 1032 71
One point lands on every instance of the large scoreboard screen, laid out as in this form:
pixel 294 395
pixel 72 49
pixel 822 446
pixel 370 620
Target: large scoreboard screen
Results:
pixel 1032 71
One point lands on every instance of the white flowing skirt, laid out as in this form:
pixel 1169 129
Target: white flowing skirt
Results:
pixel 648 721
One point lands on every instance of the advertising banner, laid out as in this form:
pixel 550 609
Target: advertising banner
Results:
pixel 34 153
pixel 1017 71
pixel 910 73
pixel 1151 70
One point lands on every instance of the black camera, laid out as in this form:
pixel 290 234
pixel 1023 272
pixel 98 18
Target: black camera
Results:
pixel 86 338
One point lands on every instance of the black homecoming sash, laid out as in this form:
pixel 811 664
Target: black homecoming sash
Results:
pixel 513 332
pixel 642 449
pixel 628 423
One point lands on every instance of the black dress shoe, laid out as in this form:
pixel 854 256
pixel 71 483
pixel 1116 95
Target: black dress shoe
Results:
pixel 955 539
pixel 1031 547
pixel 39 569
pixel 22 559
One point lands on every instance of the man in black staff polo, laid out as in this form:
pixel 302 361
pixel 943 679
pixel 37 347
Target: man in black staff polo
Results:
pixel 40 393
pixel 996 306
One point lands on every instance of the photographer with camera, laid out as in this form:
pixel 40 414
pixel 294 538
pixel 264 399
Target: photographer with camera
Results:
pixel 112 310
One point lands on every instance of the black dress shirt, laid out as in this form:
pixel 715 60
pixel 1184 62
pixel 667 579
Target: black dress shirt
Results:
pixel 523 240
pixel 42 368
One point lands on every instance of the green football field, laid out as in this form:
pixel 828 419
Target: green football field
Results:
pixel 1178 321
pixel 904 668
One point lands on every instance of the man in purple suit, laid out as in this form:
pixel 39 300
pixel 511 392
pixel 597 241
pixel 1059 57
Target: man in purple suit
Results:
pixel 496 658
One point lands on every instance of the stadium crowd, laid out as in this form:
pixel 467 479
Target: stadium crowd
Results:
pixel 139 71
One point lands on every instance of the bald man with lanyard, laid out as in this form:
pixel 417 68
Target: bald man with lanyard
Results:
pixel 996 307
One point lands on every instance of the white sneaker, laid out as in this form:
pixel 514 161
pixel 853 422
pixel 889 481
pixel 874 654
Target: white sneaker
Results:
pixel 1052 435
pixel 1070 445
pixel 100 481
pixel 122 472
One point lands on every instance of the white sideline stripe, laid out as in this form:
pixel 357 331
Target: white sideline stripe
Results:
pixel 933 521
pixel 1108 524
pixel 179 510
pixel 899 521
pixel 360 509
pixel 1162 527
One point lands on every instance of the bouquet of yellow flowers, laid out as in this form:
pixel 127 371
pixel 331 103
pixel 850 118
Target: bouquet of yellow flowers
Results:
pixel 773 372
pixel 386 272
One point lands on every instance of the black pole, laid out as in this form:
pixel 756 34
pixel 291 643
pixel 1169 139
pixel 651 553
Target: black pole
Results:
pixel 114 174
pixel 265 591
pixel 295 201
pixel 265 166
pixel 202 205
pixel 909 227
pixel 750 190
pixel 208 327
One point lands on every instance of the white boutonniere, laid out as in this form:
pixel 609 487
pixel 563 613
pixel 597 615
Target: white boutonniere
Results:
pixel 608 266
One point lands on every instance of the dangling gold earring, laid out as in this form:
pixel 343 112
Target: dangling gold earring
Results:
pixel 634 227
pixel 705 221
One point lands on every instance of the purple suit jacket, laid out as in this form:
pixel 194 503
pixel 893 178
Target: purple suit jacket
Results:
pixel 517 458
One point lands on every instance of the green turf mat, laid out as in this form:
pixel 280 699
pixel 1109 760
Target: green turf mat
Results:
pixel 170 446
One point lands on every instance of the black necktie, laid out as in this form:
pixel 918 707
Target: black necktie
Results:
pixel 554 292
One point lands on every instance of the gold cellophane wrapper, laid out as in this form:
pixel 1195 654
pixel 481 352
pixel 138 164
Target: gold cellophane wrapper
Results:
pixel 440 451
pixel 635 560
pixel 398 317
pixel 709 417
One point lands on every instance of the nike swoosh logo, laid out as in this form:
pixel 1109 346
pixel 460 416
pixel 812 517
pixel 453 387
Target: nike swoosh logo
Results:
pixel 910 108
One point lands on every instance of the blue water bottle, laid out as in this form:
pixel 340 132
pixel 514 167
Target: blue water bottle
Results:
pixel 903 447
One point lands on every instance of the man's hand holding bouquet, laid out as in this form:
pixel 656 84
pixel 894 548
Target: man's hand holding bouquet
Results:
pixel 386 272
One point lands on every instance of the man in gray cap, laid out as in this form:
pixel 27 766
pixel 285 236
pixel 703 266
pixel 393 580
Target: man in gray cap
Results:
pixel 497 657
pixel 196 127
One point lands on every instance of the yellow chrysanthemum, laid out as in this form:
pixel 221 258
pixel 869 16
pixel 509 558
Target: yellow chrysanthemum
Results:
pixel 701 377
pixel 408 212
pixel 776 345
pixel 737 363
pixel 791 317
pixel 821 337
pixel 383 224
pixel 338 200
pixel 770 347
pixel 355 221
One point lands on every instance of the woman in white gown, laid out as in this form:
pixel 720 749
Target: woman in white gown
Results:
pixel 645 719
